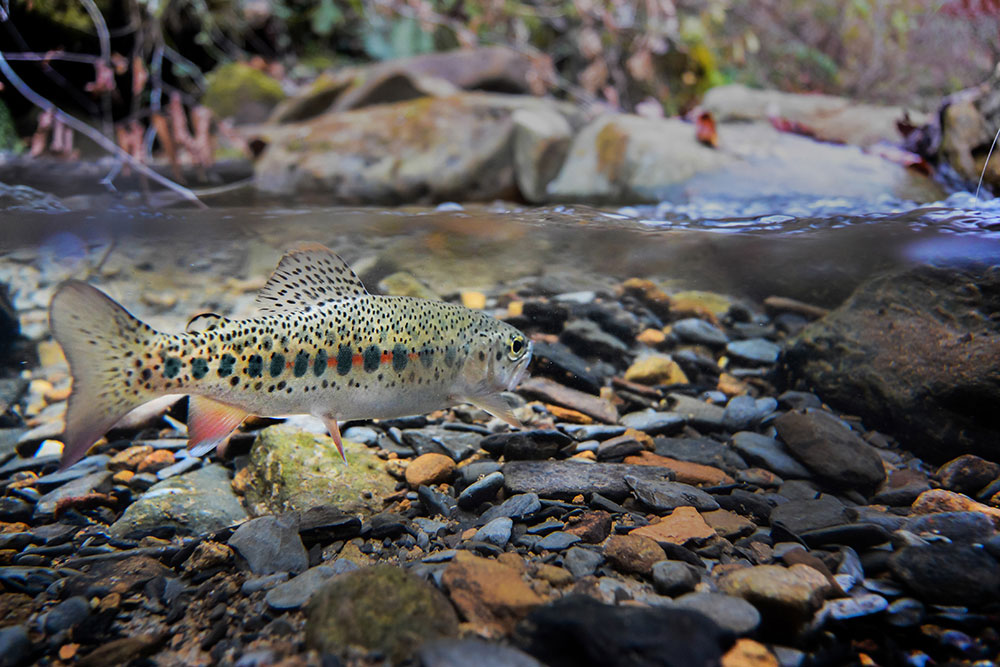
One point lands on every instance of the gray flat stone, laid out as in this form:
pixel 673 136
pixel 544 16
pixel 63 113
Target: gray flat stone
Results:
pixel 668 496
pixel 271 544
pixel 94 482
pixel 566 479
pixel 769 453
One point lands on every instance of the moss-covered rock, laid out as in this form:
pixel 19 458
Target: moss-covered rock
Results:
pixel 381 608
pixel 238 91
pixel 294 470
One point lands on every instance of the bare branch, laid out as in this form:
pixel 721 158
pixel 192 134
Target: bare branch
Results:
pixel 91 133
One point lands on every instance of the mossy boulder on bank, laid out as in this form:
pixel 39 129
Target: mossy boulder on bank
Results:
pixel 240 92
pixel 294 470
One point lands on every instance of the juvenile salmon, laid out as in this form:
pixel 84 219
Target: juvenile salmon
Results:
pixel 320 344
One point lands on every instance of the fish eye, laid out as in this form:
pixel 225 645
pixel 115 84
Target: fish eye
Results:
pixel 516 346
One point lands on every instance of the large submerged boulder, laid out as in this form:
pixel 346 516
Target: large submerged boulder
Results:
pixel 916 353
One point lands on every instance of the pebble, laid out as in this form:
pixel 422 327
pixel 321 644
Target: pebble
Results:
pixel 731 613
pixel 967 474
pixel 768 453
pixel 787 594
pixel 14 509
pixel 490 594
pixel 944 573
pixel 700 450
pixel 964 527
pixel 588 339
pixel 667 496
pixel 557 541
pixel 673 578
pixel 495 532
pixel 741 412
pixel 655 369
pixel 271 544
pixel 654 422
pixel 633 553
pixel 695 330
pixel 297 591
pixel 435 502
pixel 481 491
pixel 831 450
pixel 799 516
pixel 195 503
pixel 519 506
pixel 95 482
pixel 565 479
pixel 696 412
pixel 429 469
pixel 184 465
pixel 464 652
pixel 681 526
pixel 905 613
pixel 251 586
pixel 940 500
pixel 854 607
pixel 361 434
pixel 754 350
pixel 15 646
pixel 68 613
pixel 580 630
pixel 582 562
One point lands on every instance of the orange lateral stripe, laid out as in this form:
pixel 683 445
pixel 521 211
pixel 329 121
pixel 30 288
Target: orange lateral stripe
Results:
pixel 357 359
pixel 288 364
pixel 413 356
pixel 386 356
pixel 331 362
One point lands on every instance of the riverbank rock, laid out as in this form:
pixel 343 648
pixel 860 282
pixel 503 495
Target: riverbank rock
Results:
pixel 195 503
pixel 496 68
pixel 241 92
pixel 293 470
pixel 429 149
pixel 968 124
pixel 914 353
pixel 827 117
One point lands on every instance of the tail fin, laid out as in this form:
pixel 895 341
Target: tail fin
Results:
pixel 100 340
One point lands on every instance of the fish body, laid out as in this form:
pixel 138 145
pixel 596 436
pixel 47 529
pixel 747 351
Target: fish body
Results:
pixel 320 345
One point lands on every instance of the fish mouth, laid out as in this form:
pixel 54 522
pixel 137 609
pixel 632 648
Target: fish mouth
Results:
pixel 521 369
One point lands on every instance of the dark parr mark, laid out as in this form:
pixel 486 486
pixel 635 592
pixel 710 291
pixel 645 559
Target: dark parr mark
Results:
pixel 199 368
pixel 277 364
pixel 255 366
pixel 373 356
pixel 399 359
pixel 171 367
pixel 226 365
pixel 301 364
pixel 449 356
pixel 344 357
pixel 427 356
pixel 319 364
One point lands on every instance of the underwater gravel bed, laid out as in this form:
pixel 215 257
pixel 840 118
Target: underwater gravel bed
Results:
pixel 674 499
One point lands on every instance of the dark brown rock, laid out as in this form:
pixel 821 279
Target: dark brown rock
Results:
pixel 915 354
pixel 967 474
pixel 633 553
pixel 834 453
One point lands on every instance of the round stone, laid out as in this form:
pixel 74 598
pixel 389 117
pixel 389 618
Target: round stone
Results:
pixel 429 469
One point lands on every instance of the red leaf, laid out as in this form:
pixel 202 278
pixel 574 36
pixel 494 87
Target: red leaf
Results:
pixel 782 124
pixel 704 129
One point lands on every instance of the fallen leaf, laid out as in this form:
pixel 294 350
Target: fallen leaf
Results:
pixel 704 129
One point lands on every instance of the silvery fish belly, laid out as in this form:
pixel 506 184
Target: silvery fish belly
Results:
pixel 320 344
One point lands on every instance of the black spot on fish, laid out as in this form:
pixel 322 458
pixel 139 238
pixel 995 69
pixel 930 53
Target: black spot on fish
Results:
pixel 255 366
pixel 319 364
pixel 199 368
pixel 449 356
pixel 171 367
pixel 399 358
pixel 277 364
pixel 226 365
pixel 146 373
pixel 301 364
pixel 371 357
pixel 344 358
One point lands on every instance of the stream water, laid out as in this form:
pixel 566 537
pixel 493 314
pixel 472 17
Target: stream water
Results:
pixel 816 251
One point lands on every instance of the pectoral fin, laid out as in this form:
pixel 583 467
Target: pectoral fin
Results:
pixel 210 423
pixel 496 406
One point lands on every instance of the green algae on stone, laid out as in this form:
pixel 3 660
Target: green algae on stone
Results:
pixel 236 90
pixel 294 470
pixel 194 503
pixel 382 608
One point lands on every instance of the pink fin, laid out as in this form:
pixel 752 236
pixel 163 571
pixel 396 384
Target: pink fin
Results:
pixel 210 423
pixel 334 429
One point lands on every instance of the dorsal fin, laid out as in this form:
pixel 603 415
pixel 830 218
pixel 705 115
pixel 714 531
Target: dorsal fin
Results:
pixel 308 276
pixel 204 322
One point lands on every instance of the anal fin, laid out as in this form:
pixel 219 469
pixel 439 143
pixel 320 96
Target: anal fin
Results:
pixel 210 423
pixel 496 406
